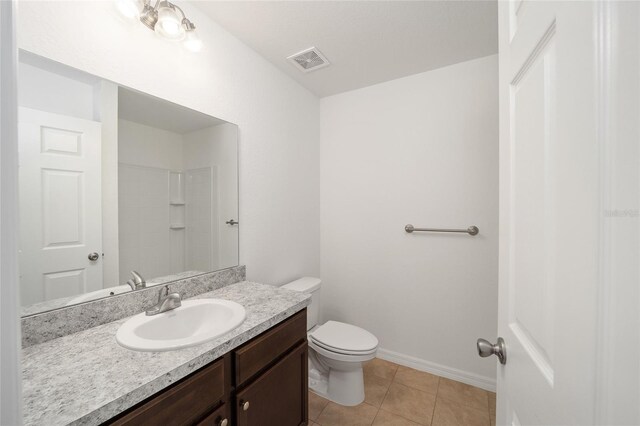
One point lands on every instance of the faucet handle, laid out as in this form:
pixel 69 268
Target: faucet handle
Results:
pixel 137 278
pixel 163 293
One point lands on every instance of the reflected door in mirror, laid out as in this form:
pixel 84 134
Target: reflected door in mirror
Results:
pixel 60 205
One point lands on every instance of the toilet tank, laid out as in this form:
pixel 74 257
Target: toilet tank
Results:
pixel 309 285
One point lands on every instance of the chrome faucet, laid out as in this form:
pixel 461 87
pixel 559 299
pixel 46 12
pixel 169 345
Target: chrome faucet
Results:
pixel 166 302
pixel 137 282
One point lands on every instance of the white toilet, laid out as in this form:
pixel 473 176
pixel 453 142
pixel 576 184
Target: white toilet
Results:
pixel 336 351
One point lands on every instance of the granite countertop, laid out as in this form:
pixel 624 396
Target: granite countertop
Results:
pixel 87 377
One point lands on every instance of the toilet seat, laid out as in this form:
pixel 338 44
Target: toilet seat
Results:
pixel 341 351
pixel 345 339
pixel 337 356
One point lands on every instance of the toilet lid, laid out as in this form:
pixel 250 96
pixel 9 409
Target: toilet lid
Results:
pixel 344 337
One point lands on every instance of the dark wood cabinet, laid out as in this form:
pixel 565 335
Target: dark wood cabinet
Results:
pixel 278 396
pixel 261 383
pixel 183 403
pixel 259 353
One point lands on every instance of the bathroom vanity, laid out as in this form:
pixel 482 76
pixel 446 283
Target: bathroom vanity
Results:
pixel 255 374
pixel 262 382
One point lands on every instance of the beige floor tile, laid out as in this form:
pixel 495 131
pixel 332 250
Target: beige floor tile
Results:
pixel 417 379
pixel 463 394
pixel 385 418
pixel 375 389
pixel 316 405
pixel 409 403
pixel 451 414
pixel 381 368
pixel 339 415
pixel 492 403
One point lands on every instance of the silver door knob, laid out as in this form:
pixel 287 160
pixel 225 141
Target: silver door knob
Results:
pixel 486 348
pixel 244 405
pixel 93 256
pixel 223 422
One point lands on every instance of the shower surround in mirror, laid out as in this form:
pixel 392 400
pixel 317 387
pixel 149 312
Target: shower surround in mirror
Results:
pixel 166 202
pixel 113 181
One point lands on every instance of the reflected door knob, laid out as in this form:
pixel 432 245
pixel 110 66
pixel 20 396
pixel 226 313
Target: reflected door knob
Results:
pixel 93 256
pixel 244 405
pixel 486 348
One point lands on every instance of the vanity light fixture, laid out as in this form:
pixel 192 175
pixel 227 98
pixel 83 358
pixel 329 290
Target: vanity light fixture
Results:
pixel 165 18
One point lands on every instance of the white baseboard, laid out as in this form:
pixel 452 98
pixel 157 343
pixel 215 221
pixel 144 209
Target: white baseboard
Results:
pixel 472 379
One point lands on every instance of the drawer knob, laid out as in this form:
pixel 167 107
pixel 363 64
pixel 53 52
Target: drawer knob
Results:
pixel 223 422
pixel 244 405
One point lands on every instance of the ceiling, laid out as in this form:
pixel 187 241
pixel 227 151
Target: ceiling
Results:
pixel 367 42
pixel 155 112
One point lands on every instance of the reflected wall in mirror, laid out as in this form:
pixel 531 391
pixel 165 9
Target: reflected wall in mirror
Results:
pixel 118 190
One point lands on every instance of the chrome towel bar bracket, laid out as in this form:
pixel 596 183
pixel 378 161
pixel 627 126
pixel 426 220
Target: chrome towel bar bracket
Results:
pixel 472 230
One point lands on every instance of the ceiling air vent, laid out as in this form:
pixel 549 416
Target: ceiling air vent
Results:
pixel 309 60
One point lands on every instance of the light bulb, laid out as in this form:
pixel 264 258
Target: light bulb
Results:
pixel 169 23
pixel 129 9
pixel 191 41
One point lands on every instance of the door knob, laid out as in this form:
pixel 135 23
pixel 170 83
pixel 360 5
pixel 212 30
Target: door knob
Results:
pixel 223 422
pixel 486 348
pixel 93 256
pixel 231 222
pixel 244 405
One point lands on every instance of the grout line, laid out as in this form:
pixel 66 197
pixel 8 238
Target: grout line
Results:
pixel 435 402
pixel 385 396
pixel 322 411
pixel 374 417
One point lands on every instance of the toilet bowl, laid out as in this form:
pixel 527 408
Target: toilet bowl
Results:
pixel 337 351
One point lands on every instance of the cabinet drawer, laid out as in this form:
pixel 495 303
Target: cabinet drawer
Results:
pixel 269 346
pixel 217 418
pixel 279 397
pixel 184 402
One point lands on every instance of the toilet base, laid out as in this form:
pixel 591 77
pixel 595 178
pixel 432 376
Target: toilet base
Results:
pixel 342 387
pixel 346 387
pixel 318 382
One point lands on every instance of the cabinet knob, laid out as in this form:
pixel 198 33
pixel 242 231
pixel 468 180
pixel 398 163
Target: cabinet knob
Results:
pixel 223 422
pixel 244 405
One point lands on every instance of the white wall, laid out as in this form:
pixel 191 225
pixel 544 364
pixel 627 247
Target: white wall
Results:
pixel 147 146
pixel 106 95
pixel 48 91
pixel 10 384
pixel 422 150
pixel 277 118
pixel 217 146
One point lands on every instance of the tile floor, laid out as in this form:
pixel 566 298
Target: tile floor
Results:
pixel 401 396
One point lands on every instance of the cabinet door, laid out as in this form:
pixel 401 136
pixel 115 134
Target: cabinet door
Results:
pixel 279 396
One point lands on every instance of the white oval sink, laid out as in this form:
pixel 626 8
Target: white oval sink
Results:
pixel 195 322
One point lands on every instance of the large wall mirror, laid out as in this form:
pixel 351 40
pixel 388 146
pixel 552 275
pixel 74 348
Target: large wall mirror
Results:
pixel 118 190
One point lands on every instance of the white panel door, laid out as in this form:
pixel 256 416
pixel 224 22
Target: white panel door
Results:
pixel 549 212
pixel 60 205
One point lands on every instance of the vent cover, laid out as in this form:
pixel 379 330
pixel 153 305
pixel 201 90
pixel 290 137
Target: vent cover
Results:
pixel 308 60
